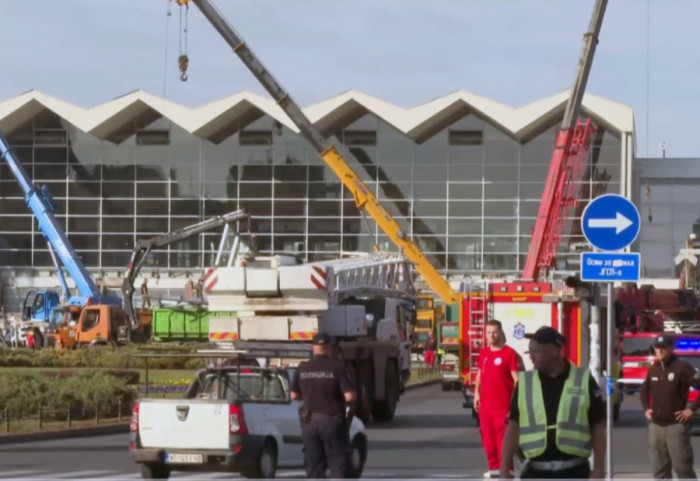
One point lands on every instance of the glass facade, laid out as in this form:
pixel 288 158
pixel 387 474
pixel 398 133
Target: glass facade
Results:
pixel 666 193
pixel 468 195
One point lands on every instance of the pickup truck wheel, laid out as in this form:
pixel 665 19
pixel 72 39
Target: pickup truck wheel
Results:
pixel 384 410
pixel 357 457
pixel 266 465
pixel 155 471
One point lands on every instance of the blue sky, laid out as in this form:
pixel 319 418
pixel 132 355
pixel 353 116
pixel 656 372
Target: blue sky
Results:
pixel 403 51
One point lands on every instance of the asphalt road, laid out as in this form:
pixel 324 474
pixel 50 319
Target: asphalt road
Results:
pixel 431 437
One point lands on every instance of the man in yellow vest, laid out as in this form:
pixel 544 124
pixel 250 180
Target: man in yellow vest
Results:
pixel 557 416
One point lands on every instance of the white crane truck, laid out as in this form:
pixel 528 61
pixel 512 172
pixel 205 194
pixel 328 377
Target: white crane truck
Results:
pixel 366 303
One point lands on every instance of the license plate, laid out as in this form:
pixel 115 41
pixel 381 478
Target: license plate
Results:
pixel 184 458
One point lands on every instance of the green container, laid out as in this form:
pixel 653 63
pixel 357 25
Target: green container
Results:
pixel 180 325
pixel 452 312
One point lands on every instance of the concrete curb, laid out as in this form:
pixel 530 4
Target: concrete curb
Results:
pixel 115 428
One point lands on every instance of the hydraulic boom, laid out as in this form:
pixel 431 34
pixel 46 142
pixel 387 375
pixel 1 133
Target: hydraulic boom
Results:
pixel 567 164
pixel 43 207
pixel 364 199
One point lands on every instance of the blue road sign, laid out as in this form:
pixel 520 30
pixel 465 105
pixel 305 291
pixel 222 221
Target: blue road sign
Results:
pixel 610 222
pixel 610 266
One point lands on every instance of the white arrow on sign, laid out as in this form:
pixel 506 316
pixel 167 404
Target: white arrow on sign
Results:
pixel 619 223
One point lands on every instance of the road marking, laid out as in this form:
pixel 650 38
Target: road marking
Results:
pixel 21 473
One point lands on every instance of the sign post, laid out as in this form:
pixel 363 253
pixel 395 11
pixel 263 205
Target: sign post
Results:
pixel 610 223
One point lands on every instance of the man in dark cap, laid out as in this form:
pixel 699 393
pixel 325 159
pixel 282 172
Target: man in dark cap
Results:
pixel 557 416
pixel 664 397
pixel 326 388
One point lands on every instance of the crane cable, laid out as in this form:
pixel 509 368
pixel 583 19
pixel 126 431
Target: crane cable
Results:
pixel 183 60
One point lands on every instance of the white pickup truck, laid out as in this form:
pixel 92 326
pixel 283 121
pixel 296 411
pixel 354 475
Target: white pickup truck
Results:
pixel 234 419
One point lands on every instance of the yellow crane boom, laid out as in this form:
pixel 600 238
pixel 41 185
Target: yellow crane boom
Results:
pixel 364 198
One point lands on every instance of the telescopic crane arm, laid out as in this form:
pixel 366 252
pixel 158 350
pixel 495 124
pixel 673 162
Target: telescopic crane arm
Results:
pixel 567 164
pixel 142 249
pixel 364 199
pixel 41 204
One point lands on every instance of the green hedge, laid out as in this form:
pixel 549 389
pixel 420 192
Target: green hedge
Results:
pixel 101 357
pixel 23 393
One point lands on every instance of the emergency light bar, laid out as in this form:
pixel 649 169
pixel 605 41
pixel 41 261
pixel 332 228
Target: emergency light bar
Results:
pixel 688 344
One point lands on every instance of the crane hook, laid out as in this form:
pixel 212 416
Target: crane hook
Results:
pixel 183 62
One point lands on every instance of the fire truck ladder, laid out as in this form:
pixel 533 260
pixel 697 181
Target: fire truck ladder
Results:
pixel 478 299
pixel 566 190
pixel 388 274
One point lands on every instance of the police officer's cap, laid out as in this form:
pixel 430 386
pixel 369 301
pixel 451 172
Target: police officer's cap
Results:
pixel 664 342
pixel 547 335
pixel 321 339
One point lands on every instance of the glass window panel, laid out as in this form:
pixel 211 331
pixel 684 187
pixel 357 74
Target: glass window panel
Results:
pixel 255 190
pixel 113 258
pixel 218 172
pixel 119 172
pixel 352 226
pixel 529 209
pixel 290 190
pixel 350 209
pixel 395 191
pixel 429 226
pixel 329 243
pixel 117 242
pixel 9 223
pixel 396 173
pixel 464 226
pixel 531 190
pixel 214 207
pixel 324 226
pixel 500 209
pixel 151 207
pixel 502 152
pixel 292 226
pixel 499 227
pixel 17 206
pixel 50 172
pixel 290 173
pixel 213 190
pixel 177 223
pixel 56 189
pixel 465 208
pixel 118 224
pixel 186 178
pixel 187 207
pixel 118 189
pixel 49 155
pixel 429 208
pixel 257 207
pixel 397 208
pixel 500 262
pixel 16 241
pixel 85 173
pixel 83 206
pixel 24 154
pixel 10 189
pixel 538 151
pixel 500 244
pixel 500 173
pixel 430 243
pixel 657 192
pixel 260 225
pixel 464 262
pixel 501 190
pixel 256 172
pixel 152 224
pixel 84 224
pixel 151 172
pixel 291 244
pixel 465 245
pixel 430 173
pixel 15 258
pixel 85 242
pixel 263 243
pixel 686 193
pixel 118 207
pixel 533 173
pixel 84 189
pixel 42 258
pixel 325 190
pixel 325 208
pixel 466 172
pixel 290 208
pixel 430 190
pixel 152 189
pixel 471 155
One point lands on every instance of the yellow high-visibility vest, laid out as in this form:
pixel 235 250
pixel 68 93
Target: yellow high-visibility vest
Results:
pixel 573 433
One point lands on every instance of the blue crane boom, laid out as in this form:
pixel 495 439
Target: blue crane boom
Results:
pixel 42 206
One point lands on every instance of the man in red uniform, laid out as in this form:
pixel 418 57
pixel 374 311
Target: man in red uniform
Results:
pixel 495 381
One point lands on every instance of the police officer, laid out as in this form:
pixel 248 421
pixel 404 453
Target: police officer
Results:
pixel 326 388
pixel 557 416
pixel 664 396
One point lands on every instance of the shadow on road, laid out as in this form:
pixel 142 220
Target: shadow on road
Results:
pixel 423 421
